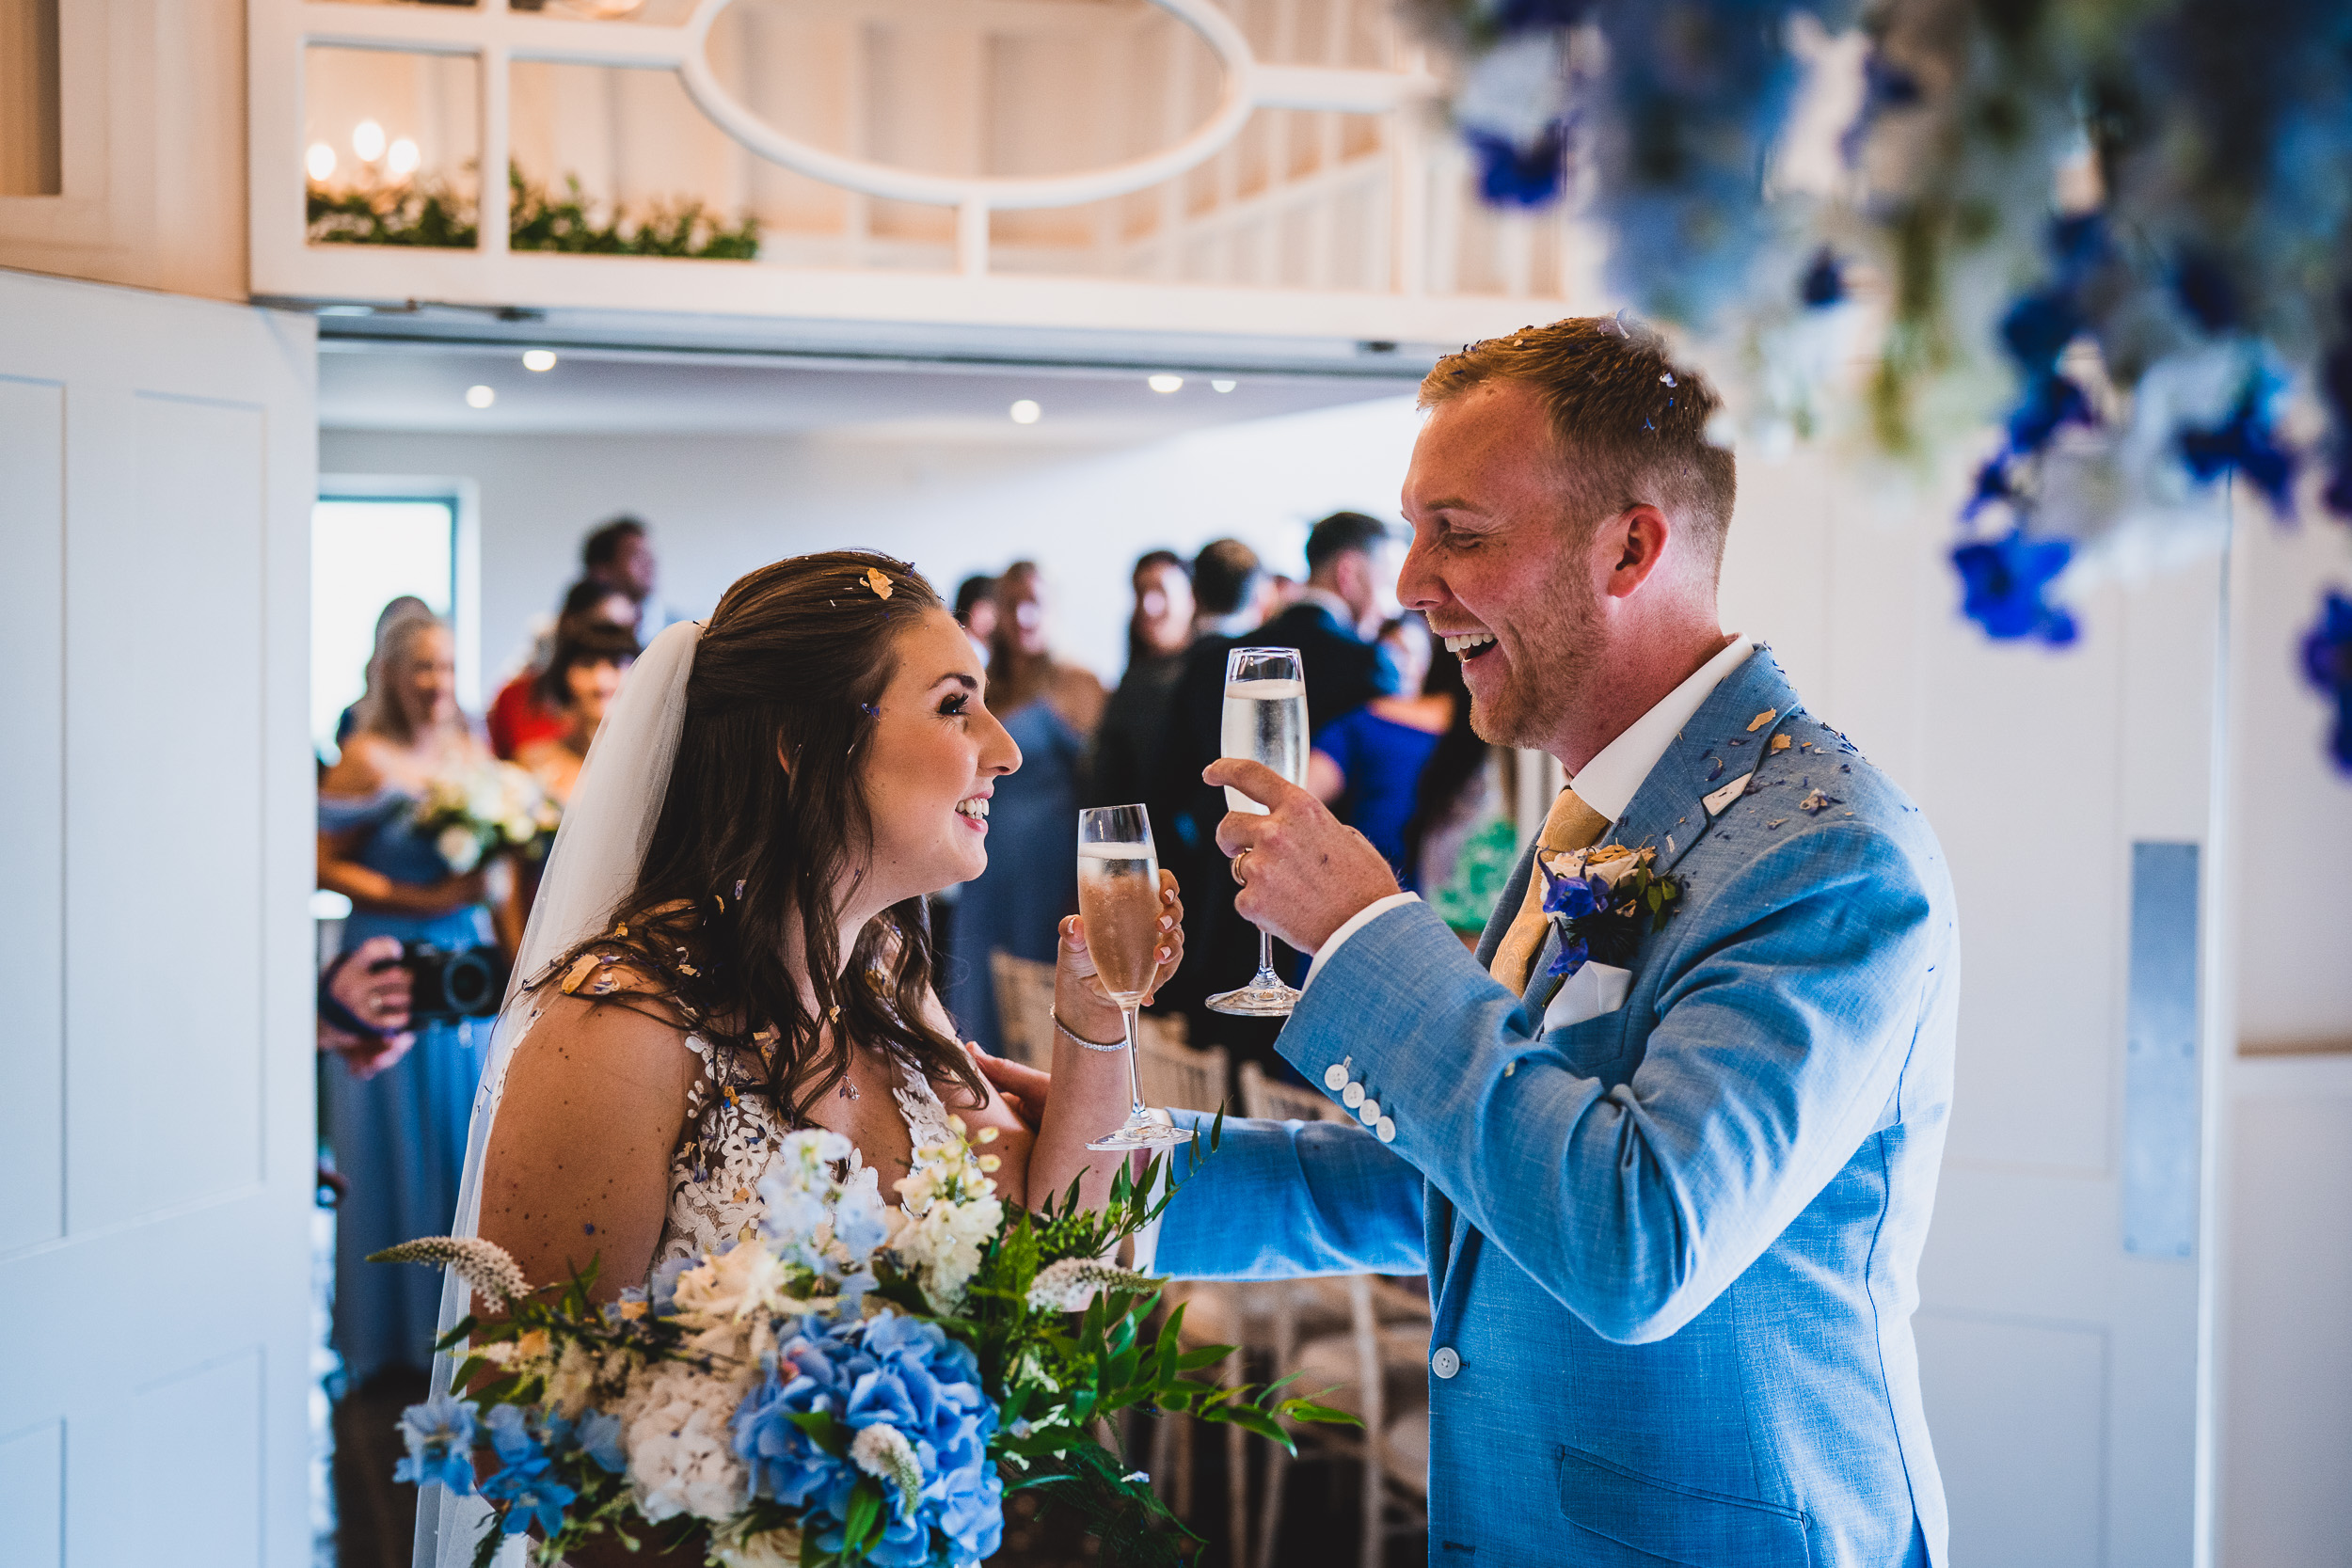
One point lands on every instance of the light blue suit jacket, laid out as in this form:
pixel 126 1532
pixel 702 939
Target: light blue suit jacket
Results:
pixel 1672 1250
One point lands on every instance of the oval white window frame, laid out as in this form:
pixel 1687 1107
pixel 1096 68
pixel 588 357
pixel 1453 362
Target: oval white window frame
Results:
pixel 1214 27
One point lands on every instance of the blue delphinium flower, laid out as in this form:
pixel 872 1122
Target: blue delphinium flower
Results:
pixel 2328 664
pixel 524 1482
pixel 2246 443
pixel 2004 581
pixel 664 1286
pixel 1574 896
pixel 599 1435
pixel 439 1435
pixel 1575 953
pixel 1512 174
pixel 889 1369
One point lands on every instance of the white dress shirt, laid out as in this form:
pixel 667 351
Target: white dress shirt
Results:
pixel 1608 782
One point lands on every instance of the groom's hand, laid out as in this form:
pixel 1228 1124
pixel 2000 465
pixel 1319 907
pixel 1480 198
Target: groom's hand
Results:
pixel 1302 871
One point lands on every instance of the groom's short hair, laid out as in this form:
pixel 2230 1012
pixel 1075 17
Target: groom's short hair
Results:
pixel 1629 422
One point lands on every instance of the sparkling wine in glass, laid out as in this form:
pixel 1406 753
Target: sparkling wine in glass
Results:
pixel 1119 896
pixel 1265 721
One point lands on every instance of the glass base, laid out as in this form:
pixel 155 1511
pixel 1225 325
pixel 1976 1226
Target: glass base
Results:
pixel 1151 1130
pixel 1265 996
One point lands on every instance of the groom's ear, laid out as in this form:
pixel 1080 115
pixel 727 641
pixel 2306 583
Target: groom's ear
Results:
pixel 1638 537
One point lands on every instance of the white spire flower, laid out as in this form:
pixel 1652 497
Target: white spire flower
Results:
pixel 484 1265
pixel 1069 1285
pixel 881 1451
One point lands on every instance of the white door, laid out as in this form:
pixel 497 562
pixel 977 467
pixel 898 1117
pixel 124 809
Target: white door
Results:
pixel 2073 792
pixel 156 1122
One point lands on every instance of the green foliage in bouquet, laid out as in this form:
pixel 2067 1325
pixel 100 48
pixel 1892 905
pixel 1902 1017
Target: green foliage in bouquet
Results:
pixel 856 1384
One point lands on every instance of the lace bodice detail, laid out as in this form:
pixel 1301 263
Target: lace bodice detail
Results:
pixel 733 1132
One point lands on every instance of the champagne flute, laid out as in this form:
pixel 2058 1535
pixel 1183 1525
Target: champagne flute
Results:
pixel 1118 894
pixel 1265 721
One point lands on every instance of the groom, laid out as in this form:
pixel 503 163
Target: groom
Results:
pixel 1671 1205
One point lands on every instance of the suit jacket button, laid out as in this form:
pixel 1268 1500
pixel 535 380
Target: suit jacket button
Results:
pixel 1369 1112
pixel 1352 1095
pixel 1335 1078
pixel 1387 1130
pixel 1446 1362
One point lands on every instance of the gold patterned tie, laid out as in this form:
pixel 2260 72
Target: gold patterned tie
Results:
pixel 1569 825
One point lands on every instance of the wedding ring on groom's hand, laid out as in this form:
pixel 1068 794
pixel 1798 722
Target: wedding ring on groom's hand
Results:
pixel 1239 880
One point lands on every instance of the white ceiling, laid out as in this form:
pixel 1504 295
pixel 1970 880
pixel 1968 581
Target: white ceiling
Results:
pixel 421 385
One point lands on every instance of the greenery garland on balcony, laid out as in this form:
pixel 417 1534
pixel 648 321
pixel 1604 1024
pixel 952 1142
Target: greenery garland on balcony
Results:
pixel 427 212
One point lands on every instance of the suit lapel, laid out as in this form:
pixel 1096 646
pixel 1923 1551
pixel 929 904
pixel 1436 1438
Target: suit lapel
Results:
pixel 1715 749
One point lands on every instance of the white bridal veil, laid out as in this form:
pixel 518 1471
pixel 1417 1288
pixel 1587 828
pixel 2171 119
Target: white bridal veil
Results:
pixel 598 851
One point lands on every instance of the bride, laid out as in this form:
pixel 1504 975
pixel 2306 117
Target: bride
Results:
pixel 731 942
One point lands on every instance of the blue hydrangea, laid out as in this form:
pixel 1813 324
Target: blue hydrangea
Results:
pixel 440 1434
pixel 525 1481
pixel 889 1369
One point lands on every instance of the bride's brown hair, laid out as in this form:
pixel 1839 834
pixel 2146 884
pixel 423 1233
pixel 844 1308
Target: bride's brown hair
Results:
pixel 765 816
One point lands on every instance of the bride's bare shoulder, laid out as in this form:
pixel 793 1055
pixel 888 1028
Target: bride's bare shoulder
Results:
pixel 605 1026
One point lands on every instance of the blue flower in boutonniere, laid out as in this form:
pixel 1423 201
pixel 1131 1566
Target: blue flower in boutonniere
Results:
pixel 1602 900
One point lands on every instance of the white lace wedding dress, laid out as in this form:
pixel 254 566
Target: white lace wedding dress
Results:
pixel 732 1134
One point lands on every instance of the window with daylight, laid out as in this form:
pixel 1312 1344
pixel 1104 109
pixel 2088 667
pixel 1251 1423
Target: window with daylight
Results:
pixel 366 551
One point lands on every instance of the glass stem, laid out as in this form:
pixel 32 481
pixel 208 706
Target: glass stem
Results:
pixel 1266 962
pixel 1135 1074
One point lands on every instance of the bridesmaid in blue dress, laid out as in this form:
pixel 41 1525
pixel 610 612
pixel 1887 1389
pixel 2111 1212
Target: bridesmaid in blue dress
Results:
pixel 399 1136
pixel 1051 710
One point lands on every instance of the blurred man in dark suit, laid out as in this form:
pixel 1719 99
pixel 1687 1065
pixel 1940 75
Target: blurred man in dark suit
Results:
pixel 1352 563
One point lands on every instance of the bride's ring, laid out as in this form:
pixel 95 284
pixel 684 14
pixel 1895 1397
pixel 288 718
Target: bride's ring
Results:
pixel 1239 880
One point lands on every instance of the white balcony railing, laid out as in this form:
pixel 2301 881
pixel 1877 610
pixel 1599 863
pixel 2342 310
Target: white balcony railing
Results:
pixel 1278 167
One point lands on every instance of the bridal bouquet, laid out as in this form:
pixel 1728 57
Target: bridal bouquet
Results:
pixel 495 805
pixel 854 1383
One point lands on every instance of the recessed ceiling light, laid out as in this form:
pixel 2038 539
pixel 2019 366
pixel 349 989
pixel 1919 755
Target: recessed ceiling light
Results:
pixel 538 359
pixel 481 397
pixel 401 158
pixel 1165 383
pixel 319 161
pixel 1026 412
pixel 367 139
pixel 1223 385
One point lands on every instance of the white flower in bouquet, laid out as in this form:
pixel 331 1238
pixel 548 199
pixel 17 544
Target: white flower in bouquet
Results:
pixel 676 1425
pixel 460 849
pixel 952 1213
pixel 745 1279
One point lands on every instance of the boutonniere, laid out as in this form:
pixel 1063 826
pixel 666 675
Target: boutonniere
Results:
pixel 1601 900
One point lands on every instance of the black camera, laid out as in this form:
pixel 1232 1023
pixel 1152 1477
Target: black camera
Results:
pixel 450 983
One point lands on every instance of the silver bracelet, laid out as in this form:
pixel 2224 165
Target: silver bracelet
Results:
pixel 1120 1044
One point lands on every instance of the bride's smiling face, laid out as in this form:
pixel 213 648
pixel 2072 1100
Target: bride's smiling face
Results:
pixel 932 759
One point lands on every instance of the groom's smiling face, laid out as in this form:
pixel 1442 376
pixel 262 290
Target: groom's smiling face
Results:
pixel 1501 564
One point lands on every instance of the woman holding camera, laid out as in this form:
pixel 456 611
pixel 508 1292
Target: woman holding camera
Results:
pixel 399 1136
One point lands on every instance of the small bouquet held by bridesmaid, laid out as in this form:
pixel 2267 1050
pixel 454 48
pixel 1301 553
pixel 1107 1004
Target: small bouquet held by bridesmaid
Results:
pixel 857 1382
pixel 495 805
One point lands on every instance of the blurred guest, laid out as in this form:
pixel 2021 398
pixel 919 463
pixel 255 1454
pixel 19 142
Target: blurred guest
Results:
pixel 364 1006
pixel 394 608
pixel 1227 588
pixel 519 714
pixel 1133 741
pixel 579 684
pixel 399 1136
pixel 976 611
pixel 1352 562
pixel 618 554
pixel 1051 709
pixel 1461 842
pixel 1369 765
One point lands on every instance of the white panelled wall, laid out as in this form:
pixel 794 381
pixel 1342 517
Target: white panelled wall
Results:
pixel 156 1131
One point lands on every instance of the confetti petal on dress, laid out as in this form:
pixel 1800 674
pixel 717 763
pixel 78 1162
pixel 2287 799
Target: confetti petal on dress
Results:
pixel 1781 743
pixel 1762 718
pixel 579 971
pixel 877 580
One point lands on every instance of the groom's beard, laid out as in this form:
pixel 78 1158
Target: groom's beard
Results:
pixel 1553 661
